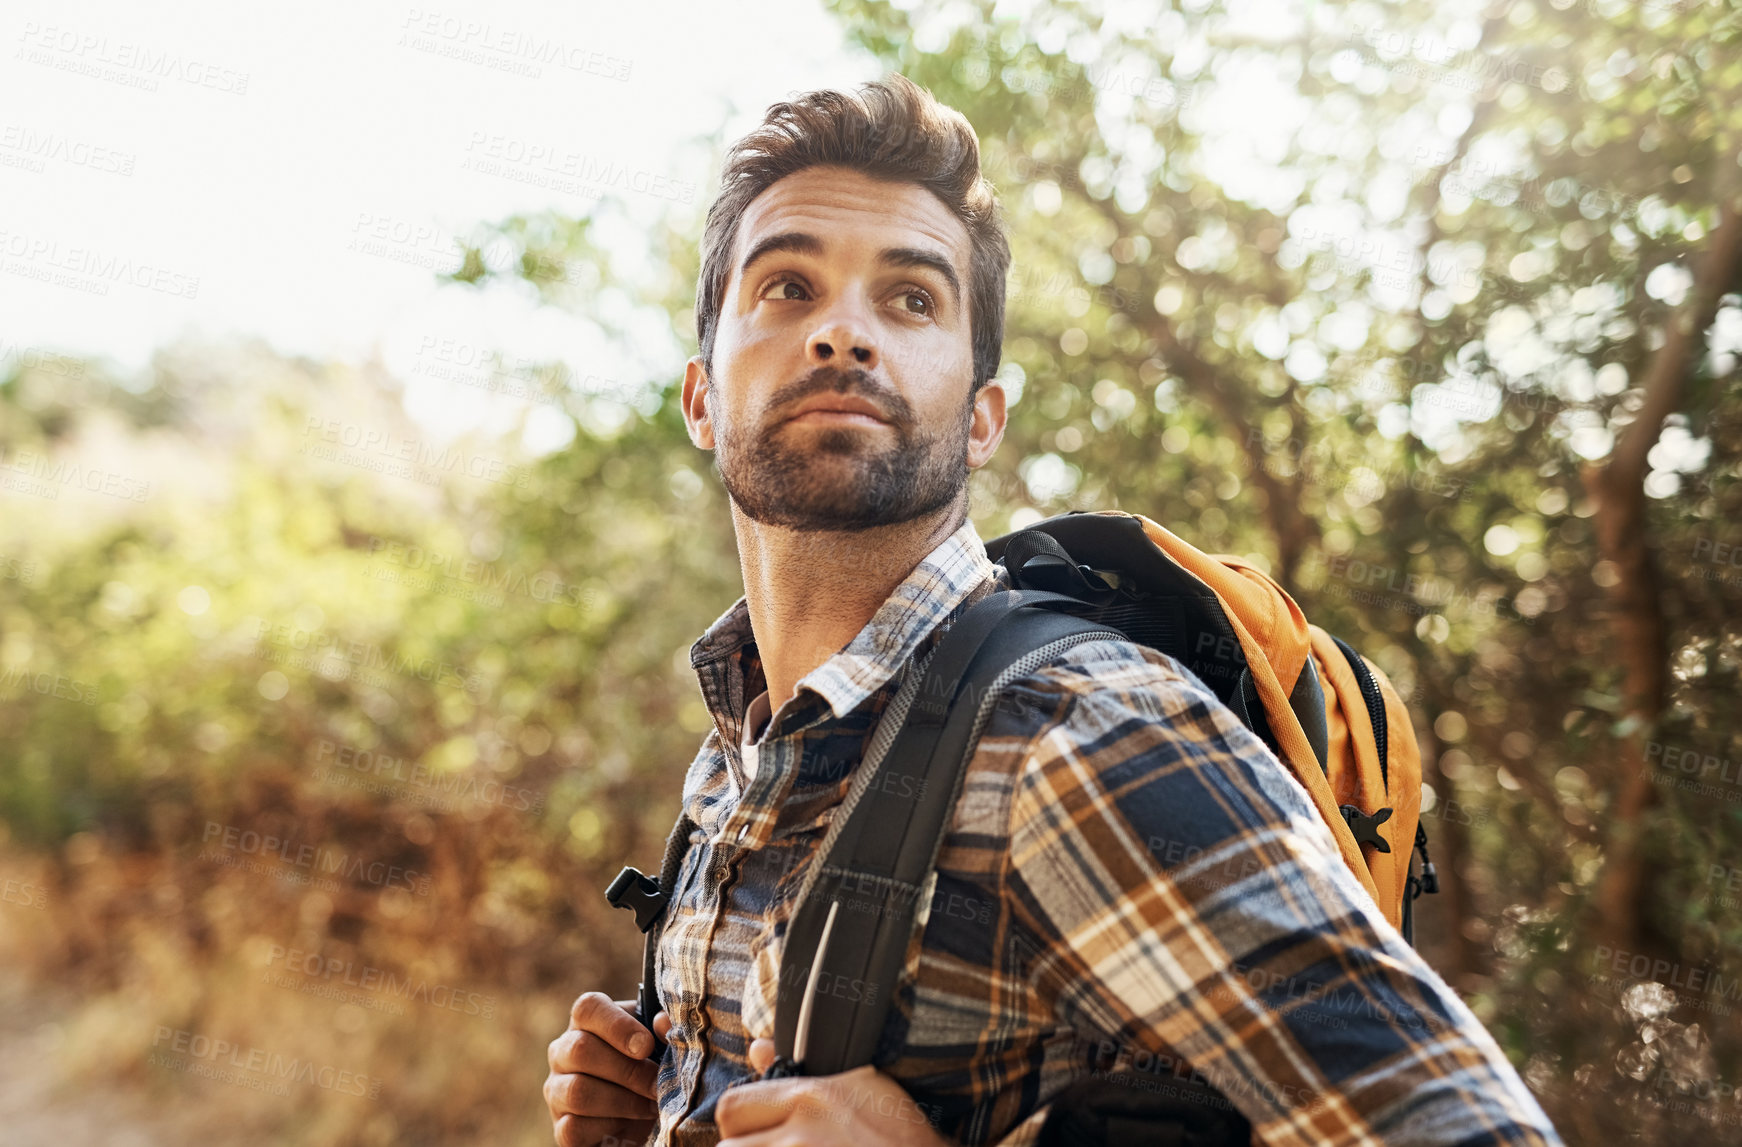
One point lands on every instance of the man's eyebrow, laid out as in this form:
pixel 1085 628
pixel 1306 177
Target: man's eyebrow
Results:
pixel 919 257
pixel 804 243
pixel 798 242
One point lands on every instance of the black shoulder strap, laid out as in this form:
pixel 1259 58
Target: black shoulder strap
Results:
pixel 849 933
pixel 647 898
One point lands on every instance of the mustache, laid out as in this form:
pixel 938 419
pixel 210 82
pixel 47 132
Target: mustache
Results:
pixel 894 408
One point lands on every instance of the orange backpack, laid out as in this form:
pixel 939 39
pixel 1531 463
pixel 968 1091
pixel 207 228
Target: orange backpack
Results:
pixel 1333 718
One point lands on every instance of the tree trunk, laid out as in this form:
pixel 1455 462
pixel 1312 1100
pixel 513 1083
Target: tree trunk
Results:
pixel 1636 616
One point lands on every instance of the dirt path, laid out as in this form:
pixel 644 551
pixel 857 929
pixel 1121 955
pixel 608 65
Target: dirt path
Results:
pixel 39 1108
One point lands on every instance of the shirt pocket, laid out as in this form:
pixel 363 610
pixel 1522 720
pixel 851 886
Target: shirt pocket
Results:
pixel 795 845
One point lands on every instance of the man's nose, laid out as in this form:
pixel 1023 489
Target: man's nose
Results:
pixel 841 340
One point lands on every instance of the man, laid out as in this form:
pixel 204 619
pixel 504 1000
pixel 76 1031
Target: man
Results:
pixel 850 313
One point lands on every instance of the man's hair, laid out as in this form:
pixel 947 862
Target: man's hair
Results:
pixel 892 130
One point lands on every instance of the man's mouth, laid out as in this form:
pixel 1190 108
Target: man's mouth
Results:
pixel 848 417
pixel 838 409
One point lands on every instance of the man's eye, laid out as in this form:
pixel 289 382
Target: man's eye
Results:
pixel 787 288
pixel 925 307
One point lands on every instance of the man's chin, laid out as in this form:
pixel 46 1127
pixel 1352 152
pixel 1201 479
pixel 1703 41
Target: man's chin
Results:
pixel 829 439
pixel 831 499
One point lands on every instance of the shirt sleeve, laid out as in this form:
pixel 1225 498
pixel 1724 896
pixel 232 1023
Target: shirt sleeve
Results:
pixel 1193 907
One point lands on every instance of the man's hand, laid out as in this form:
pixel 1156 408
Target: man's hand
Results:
pixel 600 1086
pixel 858 1108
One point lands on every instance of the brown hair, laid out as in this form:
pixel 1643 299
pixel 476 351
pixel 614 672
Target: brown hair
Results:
pixel 892 130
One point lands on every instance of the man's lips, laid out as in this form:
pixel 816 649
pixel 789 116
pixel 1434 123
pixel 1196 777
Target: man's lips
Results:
pixel 839 409
pixel 848 416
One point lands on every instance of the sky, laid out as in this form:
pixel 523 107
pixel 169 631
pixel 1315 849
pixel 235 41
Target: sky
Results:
pixel 199 171
pixel 205 170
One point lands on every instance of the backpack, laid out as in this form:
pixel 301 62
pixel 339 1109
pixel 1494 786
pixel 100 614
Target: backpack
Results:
pixel 1330 716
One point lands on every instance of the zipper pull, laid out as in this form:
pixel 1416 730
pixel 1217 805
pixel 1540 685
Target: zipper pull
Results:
pixel 1430 877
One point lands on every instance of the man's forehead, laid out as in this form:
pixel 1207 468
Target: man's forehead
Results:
pixel 810 200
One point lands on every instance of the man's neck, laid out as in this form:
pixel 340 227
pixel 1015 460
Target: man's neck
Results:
pixel 811 592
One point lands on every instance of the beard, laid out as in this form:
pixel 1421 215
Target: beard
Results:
pixel 839 478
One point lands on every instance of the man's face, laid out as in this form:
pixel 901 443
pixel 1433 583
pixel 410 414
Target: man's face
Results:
pixel 843 361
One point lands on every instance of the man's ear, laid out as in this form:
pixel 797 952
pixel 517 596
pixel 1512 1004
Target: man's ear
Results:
pixel 696 385
pixel 987 430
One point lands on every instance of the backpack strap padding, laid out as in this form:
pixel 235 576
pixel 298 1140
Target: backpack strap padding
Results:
pixel 874 877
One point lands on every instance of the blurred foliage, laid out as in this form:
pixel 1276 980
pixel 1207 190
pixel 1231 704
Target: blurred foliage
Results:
pixel 1363 300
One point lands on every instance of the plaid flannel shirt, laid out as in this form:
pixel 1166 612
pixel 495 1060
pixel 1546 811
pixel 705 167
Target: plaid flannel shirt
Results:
pixel 1130 883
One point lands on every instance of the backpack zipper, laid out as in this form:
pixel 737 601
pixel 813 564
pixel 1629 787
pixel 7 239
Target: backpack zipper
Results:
pixel 1375 706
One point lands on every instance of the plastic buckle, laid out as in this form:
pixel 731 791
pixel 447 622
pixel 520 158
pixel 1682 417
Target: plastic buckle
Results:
pixel 1366 828
pixel 640 893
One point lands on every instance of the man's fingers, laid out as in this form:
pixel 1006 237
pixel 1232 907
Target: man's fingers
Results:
pixel 580 1131
pixel 773 1137
pixel 601 1084
pixel 593 1097
pixel 583 1053
pixel 751 1107
pixel 762 1055
pixel 661 1025
pixel 614 1021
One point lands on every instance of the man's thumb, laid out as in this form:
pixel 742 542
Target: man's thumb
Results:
pixel 762 1054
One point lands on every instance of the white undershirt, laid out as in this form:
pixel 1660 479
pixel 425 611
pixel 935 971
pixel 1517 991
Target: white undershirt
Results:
pixel 755 723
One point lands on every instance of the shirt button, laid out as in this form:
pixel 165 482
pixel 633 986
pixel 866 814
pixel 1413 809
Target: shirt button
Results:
pixel 743 830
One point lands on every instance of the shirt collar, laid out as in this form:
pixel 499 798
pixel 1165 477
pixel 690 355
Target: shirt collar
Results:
pixel 940 583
